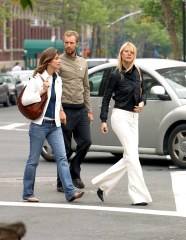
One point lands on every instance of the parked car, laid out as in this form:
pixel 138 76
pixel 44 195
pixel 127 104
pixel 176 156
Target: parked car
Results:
pixel 4 92
pixel 162 123
pixel 93 62
pixel 23 75
pixel 15 86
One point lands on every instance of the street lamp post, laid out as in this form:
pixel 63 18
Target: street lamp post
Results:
pixel 184 33
pixel 125 16
pixel 118 20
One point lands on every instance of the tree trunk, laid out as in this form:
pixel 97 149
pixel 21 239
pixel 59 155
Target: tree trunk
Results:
pixel 170 26
pixel 94 41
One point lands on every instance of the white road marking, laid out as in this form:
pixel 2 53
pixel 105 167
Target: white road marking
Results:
pixel 94 208
pixel 14 126
pixel 179 190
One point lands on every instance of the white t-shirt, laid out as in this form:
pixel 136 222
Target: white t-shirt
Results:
pixel 16 68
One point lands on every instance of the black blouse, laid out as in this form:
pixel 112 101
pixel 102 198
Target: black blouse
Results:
pixel 124 88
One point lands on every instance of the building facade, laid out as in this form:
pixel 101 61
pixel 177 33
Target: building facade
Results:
pixel 23 25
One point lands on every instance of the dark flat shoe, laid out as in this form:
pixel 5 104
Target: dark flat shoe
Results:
pixel 100 194
pixel 140 204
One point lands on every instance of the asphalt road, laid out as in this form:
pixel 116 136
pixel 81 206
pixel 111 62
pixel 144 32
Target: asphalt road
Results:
pixel 88 218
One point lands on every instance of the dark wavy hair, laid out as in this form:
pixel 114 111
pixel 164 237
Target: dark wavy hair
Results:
pixel 46 57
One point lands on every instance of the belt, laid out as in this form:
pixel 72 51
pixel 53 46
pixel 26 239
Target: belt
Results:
pixel 49 121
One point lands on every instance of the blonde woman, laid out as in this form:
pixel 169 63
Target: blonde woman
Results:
pixel 124 84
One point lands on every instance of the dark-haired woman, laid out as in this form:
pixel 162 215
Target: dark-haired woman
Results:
pixel 48 126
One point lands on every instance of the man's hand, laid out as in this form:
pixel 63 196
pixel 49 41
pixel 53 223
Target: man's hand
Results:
pixel 90 116
pixel 63 117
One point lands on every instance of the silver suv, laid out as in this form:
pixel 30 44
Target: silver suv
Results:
pixel 162 123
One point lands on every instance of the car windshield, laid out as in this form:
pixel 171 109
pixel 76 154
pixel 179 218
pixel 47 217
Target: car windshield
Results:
pixel 176 77
pixel 8 79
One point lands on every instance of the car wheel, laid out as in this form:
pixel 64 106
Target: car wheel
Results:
pixel 177 146
pixel 47 153
pixel 7 102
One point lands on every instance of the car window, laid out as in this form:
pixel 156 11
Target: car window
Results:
pixel 176 77
pixel 94 82
pixel 7 79
pixel 98 81
pixel 150 82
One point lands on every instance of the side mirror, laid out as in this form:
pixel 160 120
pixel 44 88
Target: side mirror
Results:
pixel 157 90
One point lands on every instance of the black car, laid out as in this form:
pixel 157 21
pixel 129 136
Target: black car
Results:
pixel 14 86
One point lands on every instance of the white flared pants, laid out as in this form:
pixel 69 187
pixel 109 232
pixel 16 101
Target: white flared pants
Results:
pixel 125 125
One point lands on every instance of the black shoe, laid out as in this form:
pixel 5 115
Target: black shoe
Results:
pixel 78 183
pixel 100 194
pixel 60 189
pixel 140 204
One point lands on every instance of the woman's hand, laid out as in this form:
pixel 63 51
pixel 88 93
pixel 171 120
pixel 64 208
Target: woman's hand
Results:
pixel 139 108
pixel 45 87
pixel 104 127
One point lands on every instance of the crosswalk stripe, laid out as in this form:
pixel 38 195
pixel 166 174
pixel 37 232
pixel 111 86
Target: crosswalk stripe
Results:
pixel 178 180
pixel 12 126
pixel 94 208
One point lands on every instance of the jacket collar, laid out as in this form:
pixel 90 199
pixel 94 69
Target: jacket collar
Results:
pixel 69 56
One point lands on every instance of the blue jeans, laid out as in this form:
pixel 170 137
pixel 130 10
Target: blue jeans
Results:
pixel 54 136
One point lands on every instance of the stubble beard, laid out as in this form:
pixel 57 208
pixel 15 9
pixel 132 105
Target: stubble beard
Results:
pixel 70 53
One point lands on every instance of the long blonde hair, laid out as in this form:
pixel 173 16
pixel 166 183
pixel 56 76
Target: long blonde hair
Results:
pixel 130 65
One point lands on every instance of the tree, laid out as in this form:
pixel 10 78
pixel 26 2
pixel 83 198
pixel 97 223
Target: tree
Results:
pixel 95 16
pixel 167 13
pixel 24 3
pixel 171 28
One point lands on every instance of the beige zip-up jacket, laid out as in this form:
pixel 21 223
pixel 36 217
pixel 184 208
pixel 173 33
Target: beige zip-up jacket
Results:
pixel 74 74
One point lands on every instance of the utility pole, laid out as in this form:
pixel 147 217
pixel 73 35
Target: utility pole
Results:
pixel 184 31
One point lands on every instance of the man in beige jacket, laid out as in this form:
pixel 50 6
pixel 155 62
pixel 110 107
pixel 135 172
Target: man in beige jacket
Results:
pixel 77 110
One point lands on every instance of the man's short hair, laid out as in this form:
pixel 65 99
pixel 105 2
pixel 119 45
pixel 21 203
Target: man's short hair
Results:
pixel 71 33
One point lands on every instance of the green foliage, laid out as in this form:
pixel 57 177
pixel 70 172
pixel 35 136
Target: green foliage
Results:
pixel 3 69
pixel 147 28
pixel 26 3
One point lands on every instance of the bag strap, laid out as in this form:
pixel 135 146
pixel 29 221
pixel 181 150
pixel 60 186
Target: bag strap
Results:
pixel 139 74
pixel 140 80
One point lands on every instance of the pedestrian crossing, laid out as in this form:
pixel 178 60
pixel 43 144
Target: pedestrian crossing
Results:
pixel 178 178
